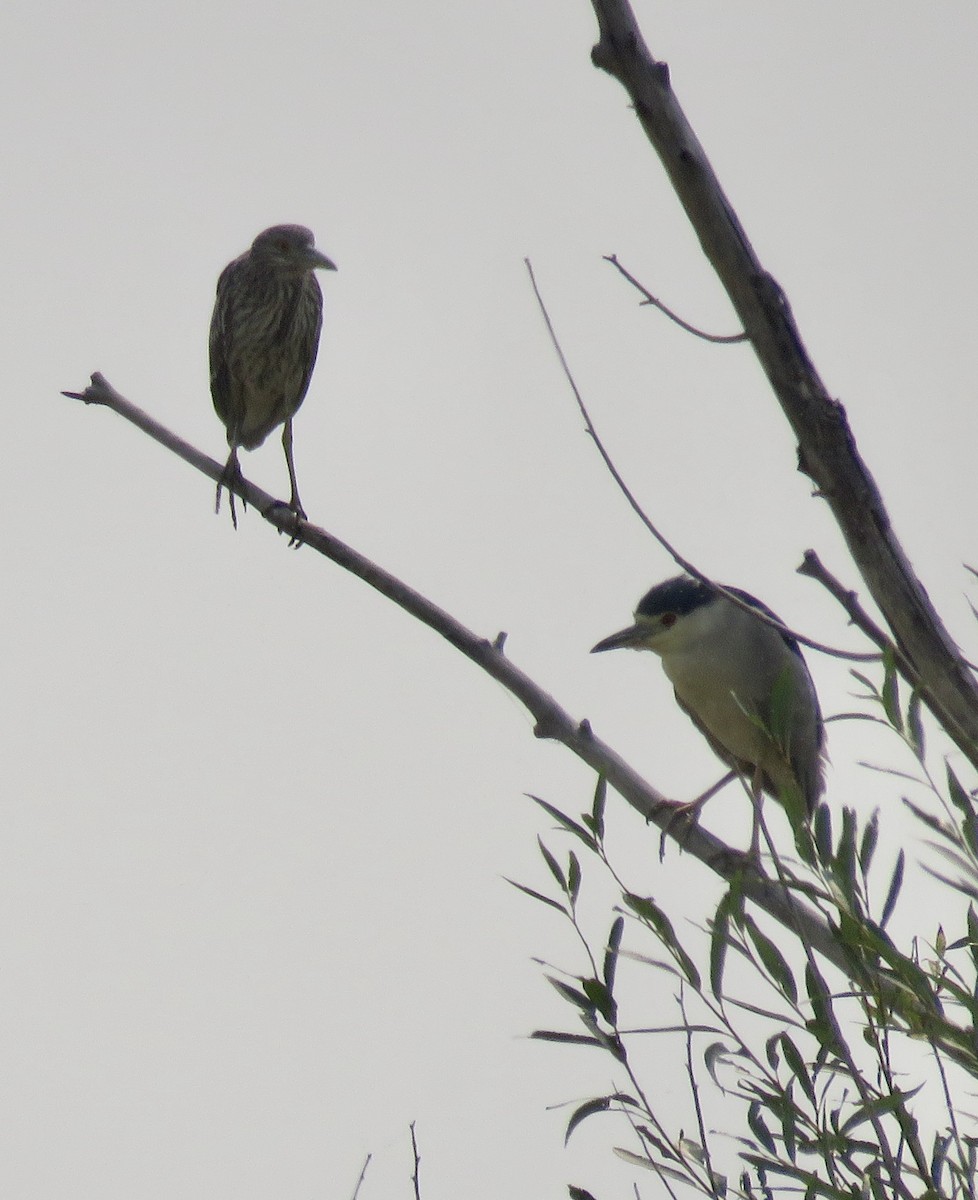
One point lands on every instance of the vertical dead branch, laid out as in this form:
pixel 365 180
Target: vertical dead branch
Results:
pixel 827 448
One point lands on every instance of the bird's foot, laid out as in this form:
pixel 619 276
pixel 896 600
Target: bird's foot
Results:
pixel 295 504
pixel 295 508
pixel 229 476
pixel 688 814
pixel 682 818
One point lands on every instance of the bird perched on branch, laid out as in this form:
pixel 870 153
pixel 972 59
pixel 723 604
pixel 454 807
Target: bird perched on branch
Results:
pixel 743 683
pixel 263 343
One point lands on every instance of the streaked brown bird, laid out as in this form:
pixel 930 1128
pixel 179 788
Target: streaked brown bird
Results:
pixel 263 344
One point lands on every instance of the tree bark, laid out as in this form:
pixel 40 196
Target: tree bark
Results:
pixel 827 450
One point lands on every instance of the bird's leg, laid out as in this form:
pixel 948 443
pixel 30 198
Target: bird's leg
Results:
pixel 295 504
pixel 231 474
pixel 689 813
pixel 701 799
pixel 757 800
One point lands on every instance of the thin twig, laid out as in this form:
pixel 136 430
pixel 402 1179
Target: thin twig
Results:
pixel 718 339
pixel 663 541
pixel 952 1117
pixel 813 567
pixel 695 1091
pixel 363 1171
pixel 416 1177
pixel 668 1147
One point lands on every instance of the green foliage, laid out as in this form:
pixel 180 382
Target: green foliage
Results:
pixel 849 1084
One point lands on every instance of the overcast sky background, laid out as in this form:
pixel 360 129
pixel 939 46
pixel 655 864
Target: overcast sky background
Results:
pixel 255 819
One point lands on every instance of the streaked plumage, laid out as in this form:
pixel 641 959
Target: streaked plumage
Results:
pixel 264 338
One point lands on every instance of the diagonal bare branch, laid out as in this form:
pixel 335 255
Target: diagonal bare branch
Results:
pixel 551 720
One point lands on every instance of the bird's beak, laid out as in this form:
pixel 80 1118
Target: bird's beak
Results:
pixel 632 638
pixel 318 261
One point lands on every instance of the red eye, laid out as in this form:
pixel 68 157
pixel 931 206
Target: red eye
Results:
pixel 667 620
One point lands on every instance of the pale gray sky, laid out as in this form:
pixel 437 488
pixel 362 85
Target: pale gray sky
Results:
pixel 255 820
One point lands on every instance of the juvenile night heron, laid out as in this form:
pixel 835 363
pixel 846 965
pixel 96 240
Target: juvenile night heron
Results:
pixel 263 344
pixel 743 683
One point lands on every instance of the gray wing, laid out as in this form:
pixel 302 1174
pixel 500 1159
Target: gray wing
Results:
pixel 718 748
pixel 810 783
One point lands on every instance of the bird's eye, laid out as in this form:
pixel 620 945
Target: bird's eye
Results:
pixel 667 620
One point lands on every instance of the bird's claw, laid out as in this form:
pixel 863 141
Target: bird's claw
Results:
pixel 686 815
pixel 230 475
pixel 298 512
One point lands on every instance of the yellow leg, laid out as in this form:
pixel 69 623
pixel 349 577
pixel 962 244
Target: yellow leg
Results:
pixel 687 814
pixel 757 801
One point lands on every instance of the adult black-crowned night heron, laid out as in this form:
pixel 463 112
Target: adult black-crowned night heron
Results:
pixel 263 344
pixel 743 683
